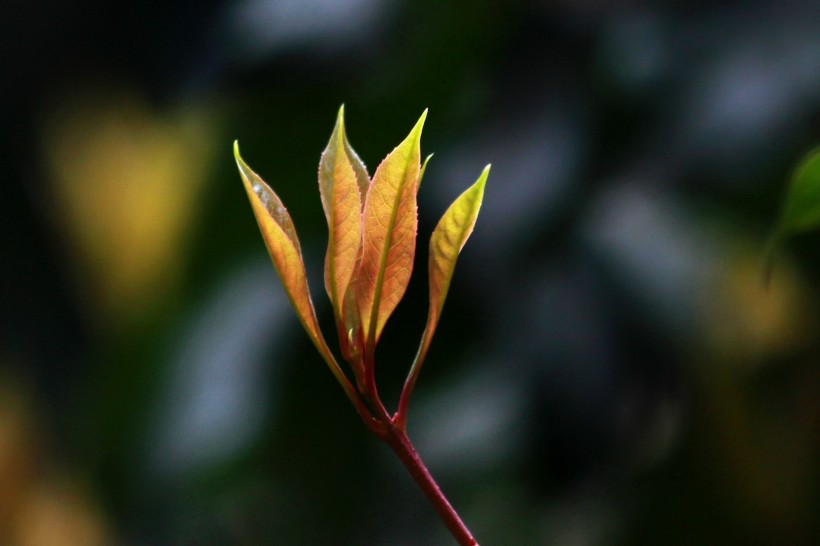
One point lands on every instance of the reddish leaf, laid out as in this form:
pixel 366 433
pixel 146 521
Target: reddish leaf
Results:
pixel 343 207
pixel 390 222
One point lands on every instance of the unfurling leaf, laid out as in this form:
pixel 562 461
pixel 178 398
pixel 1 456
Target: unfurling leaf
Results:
pixel 390 221
pixel 283 246
pixel 801 209
pixel 341 199
pixel 423 169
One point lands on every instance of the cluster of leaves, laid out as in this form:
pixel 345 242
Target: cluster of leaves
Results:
pixel 372 226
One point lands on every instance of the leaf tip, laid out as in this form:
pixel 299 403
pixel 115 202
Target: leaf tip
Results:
pixel 423 169
pixel 423 116
pixel 482 178
pixel 339 129
pixel 243 167
pixel 420 124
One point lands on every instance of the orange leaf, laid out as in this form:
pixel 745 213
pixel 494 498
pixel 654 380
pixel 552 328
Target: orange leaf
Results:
pixel 341 200
pixel 283 246
pixel 390 221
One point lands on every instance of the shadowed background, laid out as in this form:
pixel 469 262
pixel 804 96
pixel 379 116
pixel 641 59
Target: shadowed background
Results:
pixel 608 369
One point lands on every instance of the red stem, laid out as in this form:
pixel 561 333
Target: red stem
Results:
pixel 394 434
pixel 397 439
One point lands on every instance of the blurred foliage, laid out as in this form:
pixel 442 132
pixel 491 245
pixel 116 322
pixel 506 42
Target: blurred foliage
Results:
pixel 801 210
pixel 608 368
pixel 801 206
pixel 126 185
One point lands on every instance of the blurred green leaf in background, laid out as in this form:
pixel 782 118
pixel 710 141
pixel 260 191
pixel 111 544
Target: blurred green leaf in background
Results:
pixel 801 205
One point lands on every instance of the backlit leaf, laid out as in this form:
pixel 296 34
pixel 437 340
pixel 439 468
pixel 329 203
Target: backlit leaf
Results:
pixel 449 237
pixel 423 169
pixel 342 203
pixel 283 246
pixel 446 243
pixel 390 222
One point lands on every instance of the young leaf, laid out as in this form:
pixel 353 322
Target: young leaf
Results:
pixel 341 200
pixel 283 246
pixel 801 209
pixel 390 221
pixel 446 243
pixel 423 169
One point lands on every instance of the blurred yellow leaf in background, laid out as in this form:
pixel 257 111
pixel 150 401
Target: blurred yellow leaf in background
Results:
pixel 743 320
pixel 126 185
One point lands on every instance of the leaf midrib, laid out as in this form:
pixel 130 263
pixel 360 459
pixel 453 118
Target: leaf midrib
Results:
pixel 374 311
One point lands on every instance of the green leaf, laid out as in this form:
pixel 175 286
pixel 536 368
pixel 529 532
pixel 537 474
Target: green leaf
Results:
pixel 448 238
pixel 283 246
pixel 801 208
pixel 341 200
pixel 390 221
pixel 423 170
pixel 446 243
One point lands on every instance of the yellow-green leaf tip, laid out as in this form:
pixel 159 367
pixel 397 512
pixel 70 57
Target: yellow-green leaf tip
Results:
pixel 482 178
pixel 243 167
pixel 424 168
pixel 423 117
pixel 419 124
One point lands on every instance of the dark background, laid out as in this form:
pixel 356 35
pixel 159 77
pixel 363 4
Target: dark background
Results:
pixel 608 369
